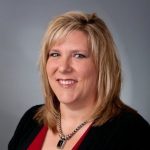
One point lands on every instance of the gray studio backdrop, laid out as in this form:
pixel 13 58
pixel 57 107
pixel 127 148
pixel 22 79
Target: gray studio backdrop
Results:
pixel 22 23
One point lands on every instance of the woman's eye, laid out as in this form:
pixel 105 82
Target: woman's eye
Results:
pixel 54 54
pixel 79 56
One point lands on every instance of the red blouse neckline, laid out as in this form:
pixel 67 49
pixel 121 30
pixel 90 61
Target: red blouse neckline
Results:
pixel 39 139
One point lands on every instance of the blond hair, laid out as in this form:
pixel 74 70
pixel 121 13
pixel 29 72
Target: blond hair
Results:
pixel 107 63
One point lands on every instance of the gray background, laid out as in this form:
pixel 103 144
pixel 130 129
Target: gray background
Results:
pixel 22 23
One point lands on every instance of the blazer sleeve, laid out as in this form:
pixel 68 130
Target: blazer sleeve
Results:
pixel 24 128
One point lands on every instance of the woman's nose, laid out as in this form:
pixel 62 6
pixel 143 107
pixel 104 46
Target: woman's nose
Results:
pixel 65 65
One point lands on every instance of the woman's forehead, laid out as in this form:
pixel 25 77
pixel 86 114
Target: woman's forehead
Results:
pixel 61 36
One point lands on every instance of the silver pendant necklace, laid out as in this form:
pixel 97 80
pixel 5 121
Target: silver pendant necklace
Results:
pixel 64 138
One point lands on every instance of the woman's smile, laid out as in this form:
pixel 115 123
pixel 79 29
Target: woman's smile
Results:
pixel 66 83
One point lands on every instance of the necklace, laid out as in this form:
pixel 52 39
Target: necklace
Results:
pixel 63 138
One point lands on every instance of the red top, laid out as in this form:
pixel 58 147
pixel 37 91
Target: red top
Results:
pixel 39 139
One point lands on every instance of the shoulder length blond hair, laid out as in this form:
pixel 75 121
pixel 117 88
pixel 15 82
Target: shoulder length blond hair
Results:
pixel 106 60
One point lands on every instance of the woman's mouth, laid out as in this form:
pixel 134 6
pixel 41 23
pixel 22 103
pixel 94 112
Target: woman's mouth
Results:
pixel 67 82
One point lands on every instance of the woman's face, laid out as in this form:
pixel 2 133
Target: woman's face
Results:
pixel 71 71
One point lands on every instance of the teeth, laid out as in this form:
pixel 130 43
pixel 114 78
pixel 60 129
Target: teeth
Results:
pixel 66 82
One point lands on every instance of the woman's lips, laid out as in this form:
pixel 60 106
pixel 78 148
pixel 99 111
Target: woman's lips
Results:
pixel 67 82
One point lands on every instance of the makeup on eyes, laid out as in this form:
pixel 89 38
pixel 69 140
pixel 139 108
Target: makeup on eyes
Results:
pixel 73 53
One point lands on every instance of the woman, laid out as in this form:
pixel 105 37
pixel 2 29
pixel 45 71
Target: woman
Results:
pixel 81 78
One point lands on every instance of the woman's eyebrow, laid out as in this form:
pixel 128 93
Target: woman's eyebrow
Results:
pixel 79 50
pixel 54 50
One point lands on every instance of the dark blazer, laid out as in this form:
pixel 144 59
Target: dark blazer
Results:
pixel 124 132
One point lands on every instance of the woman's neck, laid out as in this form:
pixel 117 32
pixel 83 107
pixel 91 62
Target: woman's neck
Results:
pixel 71 119
pixel 76 114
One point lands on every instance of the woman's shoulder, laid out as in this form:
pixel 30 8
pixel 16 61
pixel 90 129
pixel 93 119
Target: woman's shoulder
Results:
pixel 28 117
pixel 27 127
pixel 127 120
pixel 128 130
pixel 132 119
pixel 32 111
